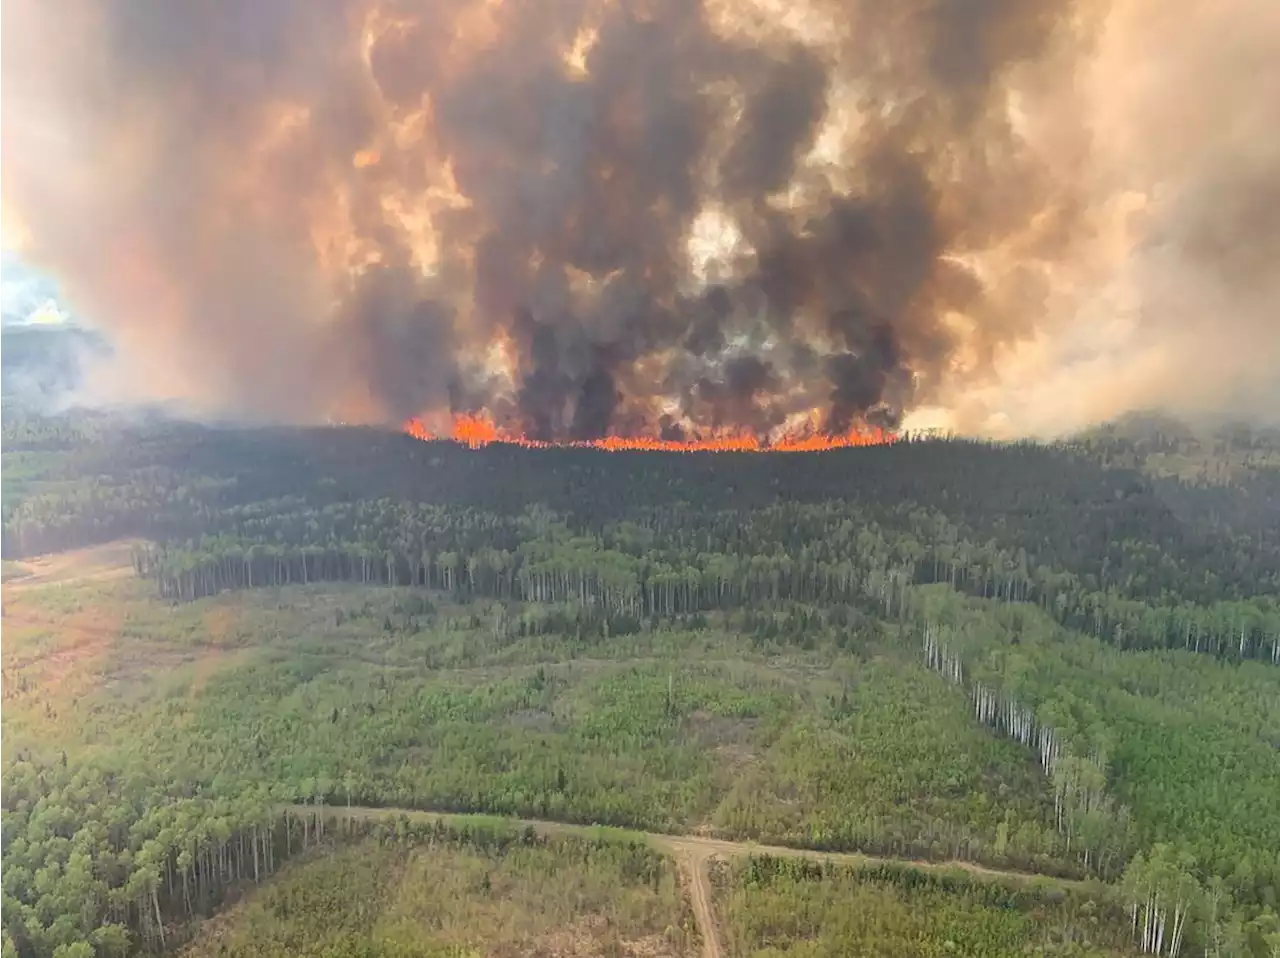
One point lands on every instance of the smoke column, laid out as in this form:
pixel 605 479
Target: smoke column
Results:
pixel 662 218
pixel 1172 298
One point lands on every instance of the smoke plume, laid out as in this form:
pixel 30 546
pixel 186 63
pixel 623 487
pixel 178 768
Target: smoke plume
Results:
pixel 658 217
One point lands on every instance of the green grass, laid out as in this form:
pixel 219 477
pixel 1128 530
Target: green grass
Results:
pixel 308 690
pixel 566 896
pixel 772 907
pixel 899 747
pixel 664 743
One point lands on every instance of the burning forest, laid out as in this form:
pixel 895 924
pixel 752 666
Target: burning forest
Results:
pixel 651 224
pixel 476 431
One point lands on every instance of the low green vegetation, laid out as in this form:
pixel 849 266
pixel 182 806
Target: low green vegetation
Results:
pixel 414 891
pixel 774 907
pixel 303 694
pixel 1011 656
pixel 1189 745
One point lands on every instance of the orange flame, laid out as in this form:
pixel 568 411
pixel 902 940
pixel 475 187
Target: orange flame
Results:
pixel 476 431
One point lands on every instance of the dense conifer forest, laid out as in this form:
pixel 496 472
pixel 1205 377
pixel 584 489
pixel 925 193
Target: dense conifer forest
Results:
pixel 1053 659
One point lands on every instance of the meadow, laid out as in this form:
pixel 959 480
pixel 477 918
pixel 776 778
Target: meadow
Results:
pixel 362 695
pixel 460 895
pixel 775 907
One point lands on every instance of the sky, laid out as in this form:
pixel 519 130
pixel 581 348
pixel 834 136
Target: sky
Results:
pixel 27 295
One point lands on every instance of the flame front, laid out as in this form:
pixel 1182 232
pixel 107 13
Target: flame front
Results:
pixel 475 431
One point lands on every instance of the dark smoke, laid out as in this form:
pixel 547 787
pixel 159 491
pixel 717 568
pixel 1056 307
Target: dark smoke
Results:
pixel 331 207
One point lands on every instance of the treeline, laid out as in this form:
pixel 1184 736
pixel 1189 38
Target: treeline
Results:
pixel 1159 908
pixel 1097 829
pixel 633 573
pixel 1164 751
pixel 460 889
pixel 1112 528
pixel 97 862
pixel 676 563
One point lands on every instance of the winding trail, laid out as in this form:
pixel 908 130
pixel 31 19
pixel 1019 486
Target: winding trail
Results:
pixel 695 854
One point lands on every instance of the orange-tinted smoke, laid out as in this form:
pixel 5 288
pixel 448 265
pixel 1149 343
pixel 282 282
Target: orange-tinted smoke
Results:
pixel 582 219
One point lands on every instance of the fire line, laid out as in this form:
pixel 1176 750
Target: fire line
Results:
pixel 476 431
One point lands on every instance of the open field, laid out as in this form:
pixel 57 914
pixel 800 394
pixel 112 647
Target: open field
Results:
pixel 783 905
pixel 482 885
pixel 448 897
pixel 698 856
pixel 13 571
pixel 683 731
pixel 96 563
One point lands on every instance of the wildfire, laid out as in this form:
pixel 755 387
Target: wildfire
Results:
pixel 476 431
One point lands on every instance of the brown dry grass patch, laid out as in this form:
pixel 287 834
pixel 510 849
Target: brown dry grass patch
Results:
pixel 112 560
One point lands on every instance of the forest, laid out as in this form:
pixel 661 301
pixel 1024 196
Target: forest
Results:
pixel 1060 660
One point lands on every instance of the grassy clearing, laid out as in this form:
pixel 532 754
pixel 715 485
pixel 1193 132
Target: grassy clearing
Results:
pixel 570 896
pixel 773 907
pixel 898 745
pixel 109 561
pixel 388 697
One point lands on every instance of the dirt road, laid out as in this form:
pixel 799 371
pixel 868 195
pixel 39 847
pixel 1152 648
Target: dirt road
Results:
pixel 695 862
pixel 695 853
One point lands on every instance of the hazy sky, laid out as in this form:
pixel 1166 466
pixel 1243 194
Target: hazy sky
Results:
pixel 26 294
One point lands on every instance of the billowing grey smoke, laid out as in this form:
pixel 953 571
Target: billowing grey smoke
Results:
pixel 309 208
